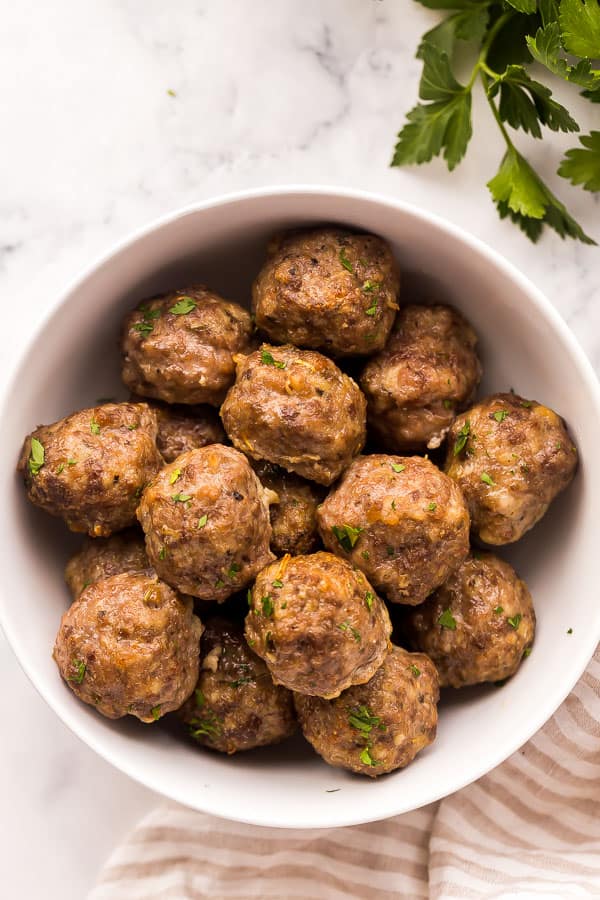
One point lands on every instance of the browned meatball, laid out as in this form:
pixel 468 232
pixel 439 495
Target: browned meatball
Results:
pixel 295 408
pixel 102 557
pixel 130 644
pixel 294 513
pixel 400 520
pixel 380 726
pixel 427 371
pixel 478 625
pixel 329 289
pixel 91 467
pixel 235 705
pixel 206 521
pixel 182 428
pixel 510 457
pixel 317 623
pixel 179 346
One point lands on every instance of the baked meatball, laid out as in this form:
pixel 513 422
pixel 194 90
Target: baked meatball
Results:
pixel 329 289
pixel 426 372
pixel 235 705
pixel 294 513
pixel 477 626
pixel 379 726
pixel 206 521
pixel 317 623
pixel 400 520
pixel 295 408
pixel 182 428
pixel 130 644
pixel 90 468
pixel 510 457
pixel 102 557
pixel 179 346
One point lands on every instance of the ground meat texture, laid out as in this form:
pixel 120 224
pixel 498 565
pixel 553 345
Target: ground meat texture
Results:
pixel 235 705
pixel 427 371
pixel 130 645
pixel 477 626
pixel 317 623
pixel 182 428
pixel 380 726
pixel 206 521
pixel 90 468
pixel 179 346
pixel 296 409
pixel 102 557
pixel 400 520
pixel 328 289
pixel 294 514
pixel 510 457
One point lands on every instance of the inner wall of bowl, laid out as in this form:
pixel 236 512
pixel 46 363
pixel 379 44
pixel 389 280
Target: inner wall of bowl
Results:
pixel 75 361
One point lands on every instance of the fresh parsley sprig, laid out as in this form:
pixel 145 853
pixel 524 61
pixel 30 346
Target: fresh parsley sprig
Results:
pixel 561 35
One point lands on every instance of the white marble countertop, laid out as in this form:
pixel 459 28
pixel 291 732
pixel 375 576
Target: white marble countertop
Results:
pixel 94 145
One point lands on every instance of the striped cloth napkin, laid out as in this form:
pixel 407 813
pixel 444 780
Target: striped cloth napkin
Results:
pixel 531 828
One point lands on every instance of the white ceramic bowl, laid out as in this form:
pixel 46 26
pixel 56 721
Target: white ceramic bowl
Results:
pixel 73 359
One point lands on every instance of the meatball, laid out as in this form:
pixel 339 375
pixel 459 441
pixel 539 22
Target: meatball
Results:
pixel 102 557
pixel 130 644
pixel 477 626
pixel 295 408
pixel 317 623
pixel 235 705
pixel 400 520
pixel 427 371
pixel 510 457
pixel 379 726
pixel 206 521
pixel 179 346
pixel 294 514
pixel 182 428
pixel 328 289
pixel 90 468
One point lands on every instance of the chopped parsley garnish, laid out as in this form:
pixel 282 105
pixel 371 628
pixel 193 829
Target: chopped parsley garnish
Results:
pixel 267 606
pixel 498 610
pixel 398 467
pixel 234 568
pixel 365 554
pixel 163 553
pixel 363 719
pixel 208 726
pixel 462 438
pixel 514 621
pixel 146 326
pixel 80 667
pixel 347 535
pixel 370 286
pixel 138 491
pixel 431 507
pixel 269 360
pixel 527 652
pixel 569 631
pixel 277 583
pixel 171 92
pixel 448 404
pixel 487 479
pixel 37 456
pixel 366 758
pixel 94 427
pixel 249 596
pixel 240 681
pixel 346 626
pixel 60 469
pixel 219 583
pixel 500 415
pixel 369 597
pixel 183 306
pixel 415 670
pixel 175 474
pixel 132 427
pixel 202 521
pixel 181 498
pixel 372 310
pixel 155 712
pixel 345 261
pixel 526 404
pixel 447 620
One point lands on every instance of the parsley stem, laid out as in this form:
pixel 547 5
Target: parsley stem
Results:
pixel 495 112
pixel 481 63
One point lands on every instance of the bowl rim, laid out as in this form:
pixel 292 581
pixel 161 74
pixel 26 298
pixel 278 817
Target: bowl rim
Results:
pixel 492 257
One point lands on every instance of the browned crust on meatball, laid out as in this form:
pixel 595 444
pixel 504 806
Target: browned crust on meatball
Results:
pixel 187 357
pixel 183 428
pixel 102 557
pixel 510 457
pixel 317 623
pixel 380 726
pixel 96 464
pixel 296 409
pixel 130 645
pixel 206 521
pixel 294 513
pixel 235 705
pixel 427 371
pixel 401 521
pixel 328 289
pixel 478 625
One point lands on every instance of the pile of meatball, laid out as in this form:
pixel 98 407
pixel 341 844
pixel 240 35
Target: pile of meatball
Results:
pixel 254 515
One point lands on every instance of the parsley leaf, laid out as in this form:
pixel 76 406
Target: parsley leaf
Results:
pixel 366 758
pixel 580 27
pixel 277 583
pixel 363 719
pixel 514 621
pixel 80 669
pixel 487 479
pixel 269 360
pixel 181 498
pixel 415 670
pixel 524 6
pixel 582 166
pixel 267 606
pixel 175 474
pixel 345 261
pixel 155 712
pixel 546 48
pixel 462 438
pixel 524 103
pixel 369 597
pixel 347 535
pixel 94 427
pixel 202 521
pixel 183 306
pixel 346 626
pixel 398 467
pixel 447 620
pixel 500 415
pixel 468 24
pixel 36 457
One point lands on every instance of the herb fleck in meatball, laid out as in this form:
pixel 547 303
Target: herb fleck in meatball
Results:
pixel 295 408
pixel 426 372
pixel 477 626
pixel 206 521
pixel 400 520
pixel 90 468
pixel 235 705
pixel 328 289
pixel 510 457
pixel 317 623
pixel 179 346
pixel 183 428
pixel 102 557
pixel 379 726
pixel 130 644
pixel 294 513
